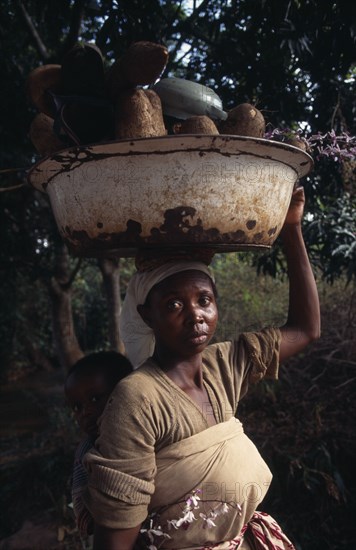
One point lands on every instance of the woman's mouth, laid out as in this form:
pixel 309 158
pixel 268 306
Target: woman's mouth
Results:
pixel 198 337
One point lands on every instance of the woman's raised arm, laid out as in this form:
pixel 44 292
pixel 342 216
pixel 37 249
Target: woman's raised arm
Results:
pixel 303 322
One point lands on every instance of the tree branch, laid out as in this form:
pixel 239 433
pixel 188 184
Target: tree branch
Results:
pixel 335 111
pixel 75 24
pixel 13 187
pixel 74 273
pixel 187 28
pixel 41 48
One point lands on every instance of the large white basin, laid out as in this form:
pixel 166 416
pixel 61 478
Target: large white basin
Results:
pixel 223 192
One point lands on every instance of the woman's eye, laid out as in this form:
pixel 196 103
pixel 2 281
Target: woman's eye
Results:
pixel 173 305
pixel 205 300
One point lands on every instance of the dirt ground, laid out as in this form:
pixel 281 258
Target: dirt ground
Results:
pixel 28 408
pixel 40 533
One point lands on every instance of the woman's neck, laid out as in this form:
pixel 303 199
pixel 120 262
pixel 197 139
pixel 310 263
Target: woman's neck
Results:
pixel 185 372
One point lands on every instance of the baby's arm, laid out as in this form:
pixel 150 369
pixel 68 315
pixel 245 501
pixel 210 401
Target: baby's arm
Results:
pixel 303 323
pixel 84 520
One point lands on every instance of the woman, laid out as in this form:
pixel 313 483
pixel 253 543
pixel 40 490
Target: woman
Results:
pixel 169 447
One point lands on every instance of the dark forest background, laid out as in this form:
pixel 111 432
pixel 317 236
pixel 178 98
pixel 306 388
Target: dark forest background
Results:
pixel 296 61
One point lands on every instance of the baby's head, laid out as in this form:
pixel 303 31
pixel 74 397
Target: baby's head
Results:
pixel 89 383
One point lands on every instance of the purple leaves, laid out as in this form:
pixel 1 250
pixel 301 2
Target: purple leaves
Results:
pixel 329 144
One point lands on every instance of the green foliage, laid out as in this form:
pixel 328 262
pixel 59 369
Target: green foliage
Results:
pixel 89 308
pixel 333 237
pixel 246 300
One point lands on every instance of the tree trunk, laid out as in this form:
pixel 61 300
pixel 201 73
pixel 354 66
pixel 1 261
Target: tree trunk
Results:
pixel 65 341
pixel 36 355
pixel 110 270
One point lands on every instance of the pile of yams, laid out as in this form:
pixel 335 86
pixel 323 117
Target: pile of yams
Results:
pixel 79 102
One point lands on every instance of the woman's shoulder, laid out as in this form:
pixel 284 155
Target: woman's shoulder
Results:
pixel 217 349
pixel 264 335
pixel 217 357
pixel 147 373
pixel 145 382
pixel 143 398
pixel 246 346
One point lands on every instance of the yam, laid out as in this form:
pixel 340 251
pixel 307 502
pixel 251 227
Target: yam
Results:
pixel 138 114
pixel 244 120
pixel 292 139
pixel 196 125
pixel 157 112
pixel 297 141
pixel 88 123
pixel 39 83
pixel 42 135
pixel 140 65
pixel 82 71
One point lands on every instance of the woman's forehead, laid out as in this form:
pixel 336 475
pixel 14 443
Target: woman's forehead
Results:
pixel 184 280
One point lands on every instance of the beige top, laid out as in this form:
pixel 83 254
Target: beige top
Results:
pixel 148 412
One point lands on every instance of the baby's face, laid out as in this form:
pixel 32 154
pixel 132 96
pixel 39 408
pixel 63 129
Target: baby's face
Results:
pixel 87 396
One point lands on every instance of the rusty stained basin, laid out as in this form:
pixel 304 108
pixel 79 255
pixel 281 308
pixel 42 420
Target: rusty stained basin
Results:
pixel 223 192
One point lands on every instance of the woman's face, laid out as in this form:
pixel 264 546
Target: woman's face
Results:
pixel 182 312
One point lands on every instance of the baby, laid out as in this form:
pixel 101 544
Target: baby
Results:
pixel 87 387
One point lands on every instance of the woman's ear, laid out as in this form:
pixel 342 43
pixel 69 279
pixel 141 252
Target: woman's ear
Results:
pixel 144 312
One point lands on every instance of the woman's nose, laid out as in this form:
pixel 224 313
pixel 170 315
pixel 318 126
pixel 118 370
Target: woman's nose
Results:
pixel 195 315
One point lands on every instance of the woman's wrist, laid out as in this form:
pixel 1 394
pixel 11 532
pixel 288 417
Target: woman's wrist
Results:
pixel 291 230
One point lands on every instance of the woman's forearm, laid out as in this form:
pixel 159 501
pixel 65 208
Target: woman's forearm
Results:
pixel 115 539
pixel 303 322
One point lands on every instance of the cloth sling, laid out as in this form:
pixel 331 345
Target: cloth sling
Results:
pixel 226 467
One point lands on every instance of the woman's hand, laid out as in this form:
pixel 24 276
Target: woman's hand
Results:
pixel 296 207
